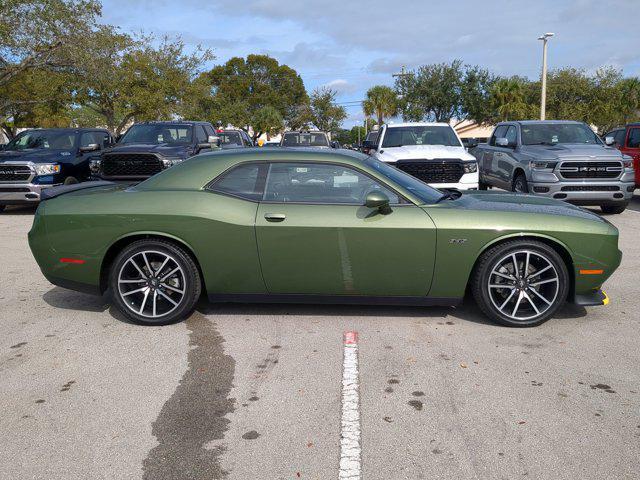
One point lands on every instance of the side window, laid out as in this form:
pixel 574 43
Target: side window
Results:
pixel 512 135
pixel 201 136
pixel 499 132
pixel 247 139
pixel 209 130
pixel 321 183
pixel 244 181
pixel 619 136
pixel 101 138
pixel 634 138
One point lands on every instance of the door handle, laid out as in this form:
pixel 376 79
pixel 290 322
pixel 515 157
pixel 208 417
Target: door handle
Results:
pixel 275 217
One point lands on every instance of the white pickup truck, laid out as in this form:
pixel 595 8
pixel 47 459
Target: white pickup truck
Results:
pixel 431 152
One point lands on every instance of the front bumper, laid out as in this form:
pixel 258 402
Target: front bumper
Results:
pixel 468 181
pixel 592 299
pixel 586 193
pixel 21 193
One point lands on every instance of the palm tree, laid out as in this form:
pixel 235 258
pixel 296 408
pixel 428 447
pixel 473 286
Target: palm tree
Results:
pixel 508 99
pixel 381 101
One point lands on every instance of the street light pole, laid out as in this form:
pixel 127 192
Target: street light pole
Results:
pixel 543 95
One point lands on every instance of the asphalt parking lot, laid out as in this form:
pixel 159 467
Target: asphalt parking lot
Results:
pixel 254 392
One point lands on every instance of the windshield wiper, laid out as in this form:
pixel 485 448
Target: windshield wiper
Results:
pixel 541 143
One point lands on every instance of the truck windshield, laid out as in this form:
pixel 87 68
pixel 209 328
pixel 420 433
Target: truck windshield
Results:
pixel 305 140
pixel 558 133
pixel 420 135
pixel 43 139
pixel 157 134
pixel 420 189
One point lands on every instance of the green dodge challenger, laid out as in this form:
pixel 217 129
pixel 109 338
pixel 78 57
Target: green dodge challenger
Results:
pixel 318 226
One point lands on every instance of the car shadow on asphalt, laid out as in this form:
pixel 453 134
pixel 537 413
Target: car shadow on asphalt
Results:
pixel 468 311
pixel 19 210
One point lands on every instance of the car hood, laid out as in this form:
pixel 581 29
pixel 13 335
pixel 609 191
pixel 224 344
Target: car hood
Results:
pixel 522 203
pixel 40 155
pixel 422 152
pixel 572 152
pixel 164 149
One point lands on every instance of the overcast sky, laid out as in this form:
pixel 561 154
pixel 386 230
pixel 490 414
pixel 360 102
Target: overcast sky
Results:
pixel 353 44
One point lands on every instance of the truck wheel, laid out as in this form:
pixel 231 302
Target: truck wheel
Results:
pixel 520 184
pixel 154 282
pixel 482 186
pixel 70 181
pixel 520 283
pixel 613 209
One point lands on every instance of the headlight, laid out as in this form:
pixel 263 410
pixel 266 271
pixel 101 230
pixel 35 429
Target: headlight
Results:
pixel 627 163
pixel 94 165
pixel 169 162
pixel 542 165
pixel 470 167
pixel 47 168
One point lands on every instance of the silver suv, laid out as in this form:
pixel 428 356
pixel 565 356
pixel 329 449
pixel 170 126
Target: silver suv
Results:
pixel 565 160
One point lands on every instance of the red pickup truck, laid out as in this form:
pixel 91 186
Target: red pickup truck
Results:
pixel 627 140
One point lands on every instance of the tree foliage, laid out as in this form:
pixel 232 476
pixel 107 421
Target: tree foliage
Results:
pixel 382 102
pixel 326 115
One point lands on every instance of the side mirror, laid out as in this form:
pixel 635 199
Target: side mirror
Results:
pixel 609 141
pixel 214 140
pixel 92 147
pixel 335 144
pixel 378 200
pixel 502 142
pixel 470 142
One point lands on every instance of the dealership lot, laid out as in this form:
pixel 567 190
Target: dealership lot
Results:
pixel 255 391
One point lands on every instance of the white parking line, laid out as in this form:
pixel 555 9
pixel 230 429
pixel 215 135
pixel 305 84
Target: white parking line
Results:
pixel 350 426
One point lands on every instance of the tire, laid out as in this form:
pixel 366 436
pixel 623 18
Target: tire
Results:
pixel 613 209
pixel 500 304
pixel 482 186
pixel 520 184
pixel 175 297
pixel 70 181
pixel 2 207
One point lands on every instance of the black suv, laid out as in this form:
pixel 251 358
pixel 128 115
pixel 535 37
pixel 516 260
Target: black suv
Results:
pixel 43 158
pixel 150 147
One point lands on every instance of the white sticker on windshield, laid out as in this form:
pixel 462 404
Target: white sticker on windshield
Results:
pixel 301 170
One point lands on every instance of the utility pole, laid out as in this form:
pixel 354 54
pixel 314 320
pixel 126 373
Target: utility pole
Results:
pixel 543 94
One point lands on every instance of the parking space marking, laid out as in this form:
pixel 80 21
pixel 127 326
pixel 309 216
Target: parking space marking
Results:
pixel 350 423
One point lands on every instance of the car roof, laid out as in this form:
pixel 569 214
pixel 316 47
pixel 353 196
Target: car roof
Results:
pixel 78 130
pixel 305 131
pixel 535 122
pixel 173 122
pixel 418 124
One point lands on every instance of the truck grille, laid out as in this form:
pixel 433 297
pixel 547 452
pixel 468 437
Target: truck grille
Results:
pixel 130 165
pixel 571 170
pixel 590 188
pixel 14 173
pixel 433 171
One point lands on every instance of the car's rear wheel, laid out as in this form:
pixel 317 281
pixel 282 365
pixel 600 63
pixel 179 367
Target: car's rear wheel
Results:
pixel 613 209
pixel 520 283
pixel 520 184
pixel 70 181
pixel 482 185
pixel 154 282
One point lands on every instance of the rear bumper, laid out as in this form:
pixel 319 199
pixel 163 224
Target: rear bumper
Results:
pixel 586 193
pixel 592 299
pixel 21 193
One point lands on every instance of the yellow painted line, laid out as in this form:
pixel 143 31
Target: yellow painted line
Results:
pixel 606 299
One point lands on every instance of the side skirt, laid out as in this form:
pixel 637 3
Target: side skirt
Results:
pixel 335 299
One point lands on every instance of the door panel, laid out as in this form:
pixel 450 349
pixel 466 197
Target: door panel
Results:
pixel 345 249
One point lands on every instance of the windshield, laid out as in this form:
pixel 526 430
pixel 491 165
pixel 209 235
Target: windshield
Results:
pixel 558 133
pixel 157 134
pixel 43 139
pixel 230 138
pixel 420 189
pixel 420 135
pixel 305 140
pixel 372 137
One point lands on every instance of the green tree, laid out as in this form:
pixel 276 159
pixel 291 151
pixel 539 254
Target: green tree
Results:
pixel 381 101
pixel 507 99
pixel 325 113
pixel 241 87
pixel 446 91
pixel 267 120
pixel 121 78
pixel 42 34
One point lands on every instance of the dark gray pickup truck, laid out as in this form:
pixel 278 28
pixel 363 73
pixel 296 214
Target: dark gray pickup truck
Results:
pixel 565 160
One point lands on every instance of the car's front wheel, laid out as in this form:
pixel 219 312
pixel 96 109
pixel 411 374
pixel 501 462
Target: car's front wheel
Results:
pixel 520 283
pixel 520 184
pixel 154 282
